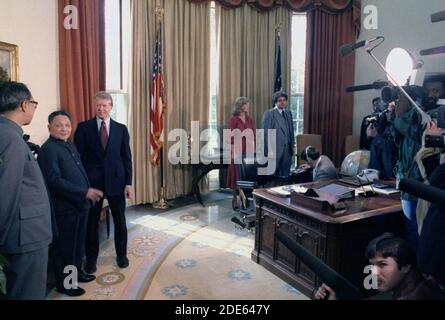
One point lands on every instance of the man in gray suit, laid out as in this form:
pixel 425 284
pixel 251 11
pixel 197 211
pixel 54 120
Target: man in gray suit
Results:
pixel 25 212
pixel 280 119
pixel 323 168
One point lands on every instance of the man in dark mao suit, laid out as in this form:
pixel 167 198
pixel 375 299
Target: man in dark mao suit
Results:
pixel 71 197
pixel 25 212
pixel 104 146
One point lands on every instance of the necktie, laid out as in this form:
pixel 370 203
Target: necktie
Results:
pixel 103 135
pixel 282 113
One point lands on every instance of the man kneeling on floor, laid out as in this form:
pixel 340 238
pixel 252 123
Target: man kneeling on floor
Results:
pixel 394 264
pixel 71 198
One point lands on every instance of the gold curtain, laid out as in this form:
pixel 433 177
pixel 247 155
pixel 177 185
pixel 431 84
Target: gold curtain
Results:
pixel 187 82
pixel 145 177
pixel 247 43
pixel 187 65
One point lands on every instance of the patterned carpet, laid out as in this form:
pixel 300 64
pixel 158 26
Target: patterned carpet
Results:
pixel 192 253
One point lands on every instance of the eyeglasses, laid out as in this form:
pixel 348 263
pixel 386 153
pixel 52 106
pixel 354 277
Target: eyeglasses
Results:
pixel 34 102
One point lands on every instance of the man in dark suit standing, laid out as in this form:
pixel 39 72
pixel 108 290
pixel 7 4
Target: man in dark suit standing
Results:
pixel 280 119
pixel 71 198
pixel 25 212
pixel 104 147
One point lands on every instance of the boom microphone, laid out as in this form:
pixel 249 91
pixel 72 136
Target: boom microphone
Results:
pixel 376 85
pixel 436 50
pixel 438 16
pixel 349 47
pixel 423 191
pixel 342 287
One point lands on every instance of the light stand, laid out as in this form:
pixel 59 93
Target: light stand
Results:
pixel 425 117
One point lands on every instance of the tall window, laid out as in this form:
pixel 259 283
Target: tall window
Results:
pixel 298 69
pixel 117 46
pixel 213 118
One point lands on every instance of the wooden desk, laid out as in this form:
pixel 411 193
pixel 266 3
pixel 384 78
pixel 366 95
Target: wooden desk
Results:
pixel 203 170
pixel 337 238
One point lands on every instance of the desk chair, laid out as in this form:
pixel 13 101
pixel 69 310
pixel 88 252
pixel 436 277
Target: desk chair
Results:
pixel 249 180
pixel 304 140
pixel 352 143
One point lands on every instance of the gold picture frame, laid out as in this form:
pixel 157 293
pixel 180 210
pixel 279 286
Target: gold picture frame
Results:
pixel 9 62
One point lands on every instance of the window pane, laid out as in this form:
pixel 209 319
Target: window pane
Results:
pixel 298 70
pixel 112 45
pixel 213 78
pixel 119 113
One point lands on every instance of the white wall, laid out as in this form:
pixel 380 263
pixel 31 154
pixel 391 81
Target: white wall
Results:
pixel 403 23
pixel 32 25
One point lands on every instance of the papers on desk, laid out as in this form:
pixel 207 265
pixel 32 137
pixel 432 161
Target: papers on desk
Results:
pixel 337 190
pixel 331 193
pixel 285 191
pixel 315 196
pixel 387 190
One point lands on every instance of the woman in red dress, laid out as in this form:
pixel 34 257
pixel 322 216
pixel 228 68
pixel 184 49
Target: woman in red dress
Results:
pixel 242 141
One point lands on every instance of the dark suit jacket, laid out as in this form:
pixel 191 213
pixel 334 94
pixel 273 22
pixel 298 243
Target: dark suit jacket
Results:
pixel 25 213
pixel 65 176
pixel 109 170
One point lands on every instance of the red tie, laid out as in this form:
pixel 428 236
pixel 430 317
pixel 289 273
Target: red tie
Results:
pixel 103 135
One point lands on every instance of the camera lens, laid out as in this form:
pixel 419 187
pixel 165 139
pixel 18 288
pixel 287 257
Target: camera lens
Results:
pixel 434 141
pixel 389 94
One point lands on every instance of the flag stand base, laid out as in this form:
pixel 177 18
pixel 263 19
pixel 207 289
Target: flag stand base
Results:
pixel 162 203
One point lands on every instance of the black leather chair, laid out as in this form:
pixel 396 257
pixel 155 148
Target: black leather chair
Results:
pixel 249 180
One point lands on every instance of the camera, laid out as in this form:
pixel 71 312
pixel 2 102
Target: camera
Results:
pixel 391 94
pixel 373 119
pixel 435 141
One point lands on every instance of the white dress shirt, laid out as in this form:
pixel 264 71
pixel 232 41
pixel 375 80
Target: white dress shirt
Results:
pixel 279 110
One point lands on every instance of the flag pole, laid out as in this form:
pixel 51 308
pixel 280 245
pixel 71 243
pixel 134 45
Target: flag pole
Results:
pixel 278 85
pixel 162 203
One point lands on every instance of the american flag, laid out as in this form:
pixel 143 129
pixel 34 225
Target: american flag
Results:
pixel 278 78
pixel 158 105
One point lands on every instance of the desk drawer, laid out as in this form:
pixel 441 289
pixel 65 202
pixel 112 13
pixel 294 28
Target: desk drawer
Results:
pixel 269 245
pixel 310 240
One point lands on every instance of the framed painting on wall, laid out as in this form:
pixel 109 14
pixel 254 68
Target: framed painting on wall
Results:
pixel 9 62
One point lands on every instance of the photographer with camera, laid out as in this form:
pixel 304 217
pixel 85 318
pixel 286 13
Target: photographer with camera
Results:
pixel 428 157
pixel 434 90
pixel 383 155
pixel 407 132
pixel 378 107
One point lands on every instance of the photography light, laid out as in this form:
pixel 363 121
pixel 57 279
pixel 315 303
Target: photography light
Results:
pixel 400 65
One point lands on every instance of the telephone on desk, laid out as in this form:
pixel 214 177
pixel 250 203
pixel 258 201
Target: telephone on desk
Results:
pixel 368 176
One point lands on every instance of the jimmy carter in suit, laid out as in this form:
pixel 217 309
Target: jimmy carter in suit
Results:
pixel 104 146
pixel 25 212
pixel 71 197
pixel 280 119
